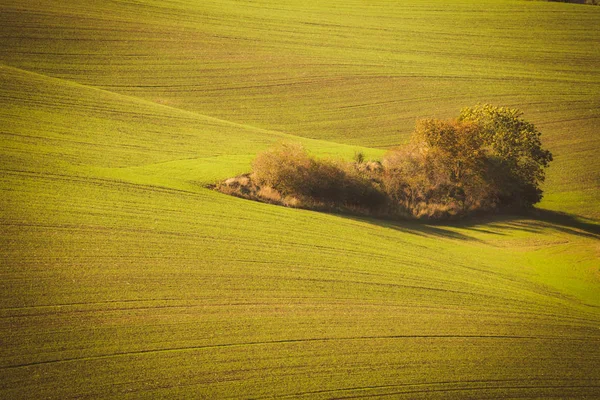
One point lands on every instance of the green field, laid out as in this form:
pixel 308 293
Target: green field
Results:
pixel 124 277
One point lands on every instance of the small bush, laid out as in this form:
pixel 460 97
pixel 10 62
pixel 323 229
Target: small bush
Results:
pixel 359 157
pixel 286 168
pixel 288 175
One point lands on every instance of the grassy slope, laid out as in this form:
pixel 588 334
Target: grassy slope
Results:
pixel 122 276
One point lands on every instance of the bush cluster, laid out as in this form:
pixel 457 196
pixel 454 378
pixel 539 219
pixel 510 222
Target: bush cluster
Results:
pixel 325 184
pixel 487 159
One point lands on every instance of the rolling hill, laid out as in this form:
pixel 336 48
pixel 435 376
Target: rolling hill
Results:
pixel 123 276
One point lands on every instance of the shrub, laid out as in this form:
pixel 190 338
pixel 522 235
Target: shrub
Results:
pixel 359 157
pixel 291 172
pixel 286 168
pixel 417 184
pixel 361 190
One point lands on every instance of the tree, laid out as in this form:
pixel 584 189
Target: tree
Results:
pixel 488 157
pixel 516 161
pixel 454 161
pixel 458 143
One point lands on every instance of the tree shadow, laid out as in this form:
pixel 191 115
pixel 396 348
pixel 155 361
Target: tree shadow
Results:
pixel 567 223
pixel 419 228
pixel 533 221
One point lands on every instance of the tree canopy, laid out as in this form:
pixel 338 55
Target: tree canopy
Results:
pixel 514 152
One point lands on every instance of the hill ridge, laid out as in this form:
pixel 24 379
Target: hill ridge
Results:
pixel 153 103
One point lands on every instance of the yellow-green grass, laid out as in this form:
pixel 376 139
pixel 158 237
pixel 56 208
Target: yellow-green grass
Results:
pixel 123 277
pixel 118 281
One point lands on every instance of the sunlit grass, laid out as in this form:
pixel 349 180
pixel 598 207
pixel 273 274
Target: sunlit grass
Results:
pixel 123 276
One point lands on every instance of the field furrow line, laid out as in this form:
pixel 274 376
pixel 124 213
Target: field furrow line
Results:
pixel 302 341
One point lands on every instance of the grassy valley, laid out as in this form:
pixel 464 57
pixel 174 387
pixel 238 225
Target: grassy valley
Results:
pixel 123 276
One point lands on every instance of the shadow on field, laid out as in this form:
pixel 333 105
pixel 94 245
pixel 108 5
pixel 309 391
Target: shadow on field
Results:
pixel 563 222
pixel 422 228
pixel 535 221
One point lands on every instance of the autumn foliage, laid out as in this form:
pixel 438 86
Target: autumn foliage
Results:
pixel 486 159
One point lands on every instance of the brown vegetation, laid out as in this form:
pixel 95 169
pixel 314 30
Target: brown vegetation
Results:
pixel 487 159
pixel 288 175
